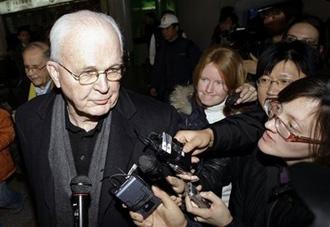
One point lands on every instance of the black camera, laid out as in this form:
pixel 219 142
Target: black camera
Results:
pixel 168 150
pixel 135 194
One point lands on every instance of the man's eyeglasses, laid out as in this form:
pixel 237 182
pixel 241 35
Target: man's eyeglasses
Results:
pixel 273 109
pixel 291 38
pixel 33 68
pixel 113 74
pixel 266 81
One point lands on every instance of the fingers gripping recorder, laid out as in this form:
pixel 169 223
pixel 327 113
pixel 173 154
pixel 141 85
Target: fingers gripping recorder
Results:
pixel 168 150
pixel 134 192
pixel 194 195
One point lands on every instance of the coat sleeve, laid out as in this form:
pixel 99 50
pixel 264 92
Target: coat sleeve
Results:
pixel 238 134
pixel 7 133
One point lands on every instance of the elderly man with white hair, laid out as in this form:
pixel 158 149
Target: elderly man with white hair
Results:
pixel 89 126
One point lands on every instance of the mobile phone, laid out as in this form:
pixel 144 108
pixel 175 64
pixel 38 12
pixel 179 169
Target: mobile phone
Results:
pixel 136 195
pixel 232 98
pixel 194 196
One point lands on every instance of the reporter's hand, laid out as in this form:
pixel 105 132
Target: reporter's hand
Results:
pixel 138 219
pixel 177 184
pixel 188 177
pixel 250 65
pixel 218 214
pixel 248 93
pixel 196 141
pixel 167 214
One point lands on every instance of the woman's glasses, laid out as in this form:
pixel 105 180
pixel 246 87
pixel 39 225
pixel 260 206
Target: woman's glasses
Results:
pixel 273 108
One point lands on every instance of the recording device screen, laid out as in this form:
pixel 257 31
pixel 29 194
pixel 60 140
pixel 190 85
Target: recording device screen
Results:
pixel 134 193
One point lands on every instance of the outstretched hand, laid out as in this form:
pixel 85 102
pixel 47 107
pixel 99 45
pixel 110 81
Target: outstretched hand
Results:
pixel 195 141
pixel 167 214
pixel 248 93
pixel 218 214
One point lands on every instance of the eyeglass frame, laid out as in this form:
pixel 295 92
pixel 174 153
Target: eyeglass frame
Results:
pixel 77 77
pixel 272 81
pixel 292 38
pixel 292 136
pixel 28 69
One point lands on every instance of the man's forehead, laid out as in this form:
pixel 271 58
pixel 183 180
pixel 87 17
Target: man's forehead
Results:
pixel 96 53
pixel 90 36
pixel 34 53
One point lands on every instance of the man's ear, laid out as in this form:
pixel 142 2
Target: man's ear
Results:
pixel 52 68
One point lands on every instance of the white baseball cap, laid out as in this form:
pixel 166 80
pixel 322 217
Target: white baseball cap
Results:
pixel 167 20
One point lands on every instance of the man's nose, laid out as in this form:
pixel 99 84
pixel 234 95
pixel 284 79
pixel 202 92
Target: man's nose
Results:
pixel 29 71
pixel 102 83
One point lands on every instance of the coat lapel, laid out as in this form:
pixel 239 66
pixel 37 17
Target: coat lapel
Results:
pixel 120 150
pixel 43 177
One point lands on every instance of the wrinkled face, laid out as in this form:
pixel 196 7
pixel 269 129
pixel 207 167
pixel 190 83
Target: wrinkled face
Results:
pixel 305 33
pixel 170 33
pixel 98 49
pixel 35 67
pixel 211 87
pixel 299 116
pixel 281 76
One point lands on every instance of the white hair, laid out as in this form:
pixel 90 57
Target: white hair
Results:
pixel 80 19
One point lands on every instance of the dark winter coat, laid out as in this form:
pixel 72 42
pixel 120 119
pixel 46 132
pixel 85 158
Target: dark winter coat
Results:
pixel 174 65
pixel 262 195
pixel 132 114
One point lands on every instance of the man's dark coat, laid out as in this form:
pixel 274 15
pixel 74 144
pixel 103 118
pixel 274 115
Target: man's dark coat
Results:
pixel 132 115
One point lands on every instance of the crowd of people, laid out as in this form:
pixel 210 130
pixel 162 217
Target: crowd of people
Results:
pixel 255 128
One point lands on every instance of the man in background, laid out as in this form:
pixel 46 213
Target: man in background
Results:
pixel 35 57
pixel 175 60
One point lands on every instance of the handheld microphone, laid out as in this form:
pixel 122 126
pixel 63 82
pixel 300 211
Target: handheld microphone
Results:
pixel 155 172
pixel 80 187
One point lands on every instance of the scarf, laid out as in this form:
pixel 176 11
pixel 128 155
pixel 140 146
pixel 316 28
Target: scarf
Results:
pixel 63 168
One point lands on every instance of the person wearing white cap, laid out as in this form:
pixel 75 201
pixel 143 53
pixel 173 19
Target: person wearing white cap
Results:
pixel 168 20
pixel 174 61
pixel 157 39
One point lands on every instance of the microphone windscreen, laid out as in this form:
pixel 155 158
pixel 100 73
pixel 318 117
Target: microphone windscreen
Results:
pixel 81 184
pixel 147 163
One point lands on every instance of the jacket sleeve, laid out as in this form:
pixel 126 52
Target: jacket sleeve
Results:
pixel 213 173
pixel 238 134
pixel 7 133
